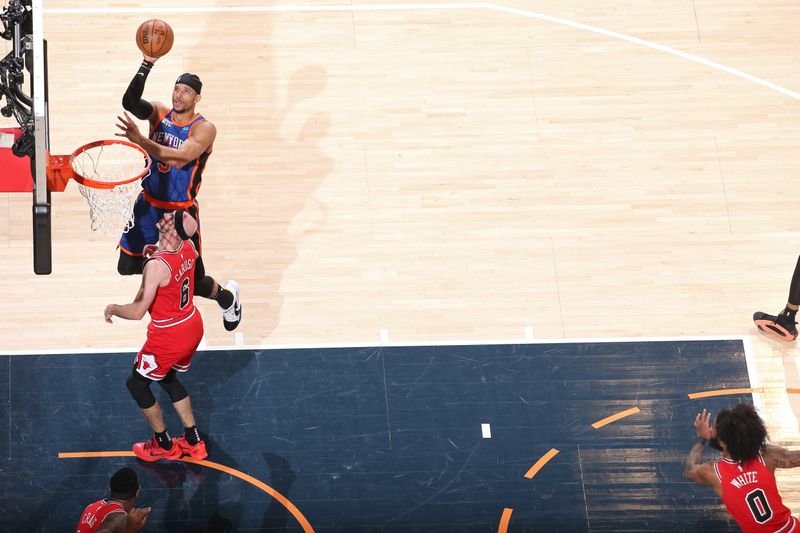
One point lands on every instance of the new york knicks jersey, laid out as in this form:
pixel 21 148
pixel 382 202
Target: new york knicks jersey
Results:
pixel 751 495
pixel 169 187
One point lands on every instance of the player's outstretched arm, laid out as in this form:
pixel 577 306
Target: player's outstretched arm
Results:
pixel 778 457
pixel 132 99
pixel 693 466
pixel 154 274
pixel 202 137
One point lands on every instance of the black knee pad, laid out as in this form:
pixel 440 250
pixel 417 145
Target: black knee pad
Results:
pixel 129 265
pixel 173 387
pixel 139 387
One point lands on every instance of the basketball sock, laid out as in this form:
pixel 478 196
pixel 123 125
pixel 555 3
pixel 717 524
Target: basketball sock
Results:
pixel 191 435
pixel 224 298
pixel 163 440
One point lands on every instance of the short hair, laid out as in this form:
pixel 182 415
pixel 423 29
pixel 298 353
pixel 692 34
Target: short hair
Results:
pixel 124 484
pixel 742 431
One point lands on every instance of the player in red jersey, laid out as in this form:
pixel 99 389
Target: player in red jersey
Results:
pixel 116 514
pixel 745 476
pixel 174 332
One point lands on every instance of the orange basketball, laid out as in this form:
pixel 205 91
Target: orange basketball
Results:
pixel 154 38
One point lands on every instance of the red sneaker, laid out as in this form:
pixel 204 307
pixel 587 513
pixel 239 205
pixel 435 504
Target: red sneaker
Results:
pixel 150 451
pixel 197 451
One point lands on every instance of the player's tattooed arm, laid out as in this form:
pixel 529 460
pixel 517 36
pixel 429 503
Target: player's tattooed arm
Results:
pixel 693 466
pixel 778 457
pixel 693 461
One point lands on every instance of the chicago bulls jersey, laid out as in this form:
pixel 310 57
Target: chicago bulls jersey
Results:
pixel 751 496
pixel 169 187
pixel 95 513
pixel 174 301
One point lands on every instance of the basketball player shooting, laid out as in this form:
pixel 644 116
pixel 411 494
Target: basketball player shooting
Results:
pixel 179 144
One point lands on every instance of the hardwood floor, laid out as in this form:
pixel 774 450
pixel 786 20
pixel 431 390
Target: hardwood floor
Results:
pixel 450 175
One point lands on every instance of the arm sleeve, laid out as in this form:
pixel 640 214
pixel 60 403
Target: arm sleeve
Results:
pixel 132 100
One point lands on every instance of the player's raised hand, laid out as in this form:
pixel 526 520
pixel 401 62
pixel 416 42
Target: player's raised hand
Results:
pixel 129 128
pixel 137 518
pixel 702 424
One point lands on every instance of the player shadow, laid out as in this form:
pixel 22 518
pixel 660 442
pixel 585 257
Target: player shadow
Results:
pixel 284 165
pixel 204 499
pixel 194 502
pixel 304 167
pixel 267 209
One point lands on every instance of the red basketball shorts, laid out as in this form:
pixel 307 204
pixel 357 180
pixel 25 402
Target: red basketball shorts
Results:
pixel 170 347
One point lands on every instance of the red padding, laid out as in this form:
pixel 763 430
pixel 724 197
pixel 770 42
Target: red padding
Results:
pixel 15 172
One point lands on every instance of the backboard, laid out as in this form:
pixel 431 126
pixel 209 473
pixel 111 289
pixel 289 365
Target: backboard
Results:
pixel 23 86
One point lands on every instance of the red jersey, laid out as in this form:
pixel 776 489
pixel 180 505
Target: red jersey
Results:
pixel 751 495
pixel 174 301
pixel 95 513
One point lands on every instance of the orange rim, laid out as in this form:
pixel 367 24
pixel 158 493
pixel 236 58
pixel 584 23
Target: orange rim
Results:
pixel 83 180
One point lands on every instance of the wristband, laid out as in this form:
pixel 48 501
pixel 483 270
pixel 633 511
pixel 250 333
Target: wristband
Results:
pixel 701 441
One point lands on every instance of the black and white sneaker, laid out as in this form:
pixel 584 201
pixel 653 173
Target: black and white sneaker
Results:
pixel 232 315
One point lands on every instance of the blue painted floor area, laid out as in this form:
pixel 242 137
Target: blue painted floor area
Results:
pixel 380 439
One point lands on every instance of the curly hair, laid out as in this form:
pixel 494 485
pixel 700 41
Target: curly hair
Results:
pixel 742 431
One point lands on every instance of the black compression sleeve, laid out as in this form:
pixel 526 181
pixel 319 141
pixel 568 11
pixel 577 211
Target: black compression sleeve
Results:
pixel 132 100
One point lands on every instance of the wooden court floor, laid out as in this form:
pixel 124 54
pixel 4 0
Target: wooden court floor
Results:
pixel 450 172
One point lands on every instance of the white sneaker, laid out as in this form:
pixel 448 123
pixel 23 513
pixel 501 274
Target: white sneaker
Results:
pixel 232 315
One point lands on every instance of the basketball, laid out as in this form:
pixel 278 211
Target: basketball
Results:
pixel 154 38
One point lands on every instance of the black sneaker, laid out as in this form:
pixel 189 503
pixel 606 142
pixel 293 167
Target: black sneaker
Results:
pixel 232 315
pixel 777 326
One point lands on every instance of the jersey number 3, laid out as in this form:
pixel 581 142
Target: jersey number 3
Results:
pixel 759 506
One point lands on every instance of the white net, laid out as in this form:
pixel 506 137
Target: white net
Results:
pixel 110 210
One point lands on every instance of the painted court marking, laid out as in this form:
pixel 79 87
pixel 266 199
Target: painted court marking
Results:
pixel 613 418
pixel 504 520
pixel 540 463
pixel 283 500
pixel 720 392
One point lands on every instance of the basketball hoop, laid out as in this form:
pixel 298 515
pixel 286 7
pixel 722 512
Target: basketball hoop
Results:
pixel 108 174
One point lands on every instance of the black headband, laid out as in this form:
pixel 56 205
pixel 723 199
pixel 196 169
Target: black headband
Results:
pixel 124 484
pixel 179 225
pixel 192 80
